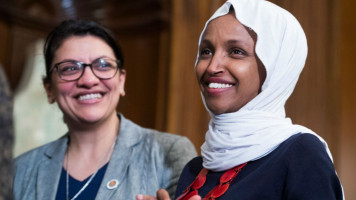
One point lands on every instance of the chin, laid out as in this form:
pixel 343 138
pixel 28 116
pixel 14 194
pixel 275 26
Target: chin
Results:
pixel 216 110
pixel 90 117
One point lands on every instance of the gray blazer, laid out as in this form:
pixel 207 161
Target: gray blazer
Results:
pixel 143 161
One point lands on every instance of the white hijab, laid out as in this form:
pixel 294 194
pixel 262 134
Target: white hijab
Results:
pixel 261 125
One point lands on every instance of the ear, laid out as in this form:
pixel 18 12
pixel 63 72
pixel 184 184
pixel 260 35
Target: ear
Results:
pixel 50 96
pixel 122 80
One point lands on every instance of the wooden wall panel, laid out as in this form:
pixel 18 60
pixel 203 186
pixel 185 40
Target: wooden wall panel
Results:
pixel 142 31
pixel 347 132
pixel 139 29
pixel 4 38
pixel 160 51
pixel 314 102
pixel 21 41
pixel 142 67
pixel 324 99
pixel 186 113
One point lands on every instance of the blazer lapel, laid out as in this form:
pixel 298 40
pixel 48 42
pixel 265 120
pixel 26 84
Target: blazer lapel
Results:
pixel 116 171
pixel 129 135
pixel 50 169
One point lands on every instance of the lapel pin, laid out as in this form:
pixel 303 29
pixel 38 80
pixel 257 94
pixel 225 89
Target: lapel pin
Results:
pixel 112 184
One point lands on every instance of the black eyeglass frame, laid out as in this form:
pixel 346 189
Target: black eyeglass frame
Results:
pixel 83 65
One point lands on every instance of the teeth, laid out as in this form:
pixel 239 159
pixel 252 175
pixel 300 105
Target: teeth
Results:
pixel 219 85
pixel 90 96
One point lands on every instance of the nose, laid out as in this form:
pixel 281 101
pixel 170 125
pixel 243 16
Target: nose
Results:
pixel 88 78
pixel 216 64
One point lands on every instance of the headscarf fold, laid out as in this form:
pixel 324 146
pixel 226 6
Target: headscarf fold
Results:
pixel 261 125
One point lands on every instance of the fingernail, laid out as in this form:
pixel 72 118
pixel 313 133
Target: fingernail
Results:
pixel 139 197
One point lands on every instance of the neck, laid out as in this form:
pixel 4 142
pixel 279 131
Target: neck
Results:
pixel 94 140
pixel 89 150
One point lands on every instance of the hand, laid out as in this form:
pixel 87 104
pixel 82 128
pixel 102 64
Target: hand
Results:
pixel 195 197
pixel 162 194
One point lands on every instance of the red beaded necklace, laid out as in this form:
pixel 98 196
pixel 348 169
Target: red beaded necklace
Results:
pixel 218 190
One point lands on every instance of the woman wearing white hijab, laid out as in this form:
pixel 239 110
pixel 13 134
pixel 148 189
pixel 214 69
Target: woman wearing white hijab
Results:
pixel 251 53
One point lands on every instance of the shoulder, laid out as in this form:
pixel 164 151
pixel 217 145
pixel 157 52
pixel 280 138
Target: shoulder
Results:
pixel 26 166
pixel 194 166
pixel 301 154
pixel 189 173
pixel 170 141
pixel 196 163
pixel 305 147
pixel 174 148
pixel 305 140
pixel 162 155
pixel 166 142
pixel 311 173
pixel 28 160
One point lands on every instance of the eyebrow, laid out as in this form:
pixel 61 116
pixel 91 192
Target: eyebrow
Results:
pixel 205 42
pixel 238 42
pixel 73 60
pixel 66 60
pixel 228 43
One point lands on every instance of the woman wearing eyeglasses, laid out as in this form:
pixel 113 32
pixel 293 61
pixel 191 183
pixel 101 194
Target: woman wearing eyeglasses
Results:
pixel 103 155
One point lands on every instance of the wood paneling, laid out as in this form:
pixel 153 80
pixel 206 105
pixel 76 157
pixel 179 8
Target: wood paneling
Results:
pixel 347 132
pixel 141 27
pixel 159 39
pixel 324 99
pixel 186 113
pixel 314 102
pixel 4 38
pixel 141 52
pixel 21 41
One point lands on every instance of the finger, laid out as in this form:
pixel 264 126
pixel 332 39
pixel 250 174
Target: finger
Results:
pixel 195 197
pixel 162 194
pixel 145 197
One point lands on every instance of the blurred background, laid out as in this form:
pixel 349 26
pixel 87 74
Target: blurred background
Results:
pixel 159 40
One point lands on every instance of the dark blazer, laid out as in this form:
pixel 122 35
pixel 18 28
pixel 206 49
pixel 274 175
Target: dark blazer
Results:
pixel 144 160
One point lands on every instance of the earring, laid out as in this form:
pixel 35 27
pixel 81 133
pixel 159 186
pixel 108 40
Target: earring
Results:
pixel 51 100
pixel 122 92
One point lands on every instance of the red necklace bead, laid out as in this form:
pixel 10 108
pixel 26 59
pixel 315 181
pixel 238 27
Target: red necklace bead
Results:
pixel 227 176
pixel 217 191
pixel 220 190
pixel 199 182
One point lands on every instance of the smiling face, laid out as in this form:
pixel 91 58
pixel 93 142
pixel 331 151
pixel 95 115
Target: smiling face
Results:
pixel 228 70
pixel 88 99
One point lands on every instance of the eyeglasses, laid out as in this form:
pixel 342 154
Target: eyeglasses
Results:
pixel 102 68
